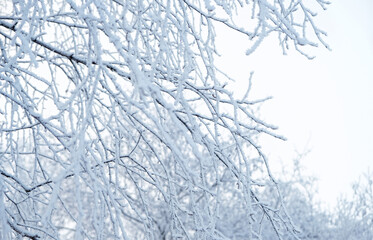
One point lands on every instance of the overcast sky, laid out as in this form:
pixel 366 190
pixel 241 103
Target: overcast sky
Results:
pixel 324 105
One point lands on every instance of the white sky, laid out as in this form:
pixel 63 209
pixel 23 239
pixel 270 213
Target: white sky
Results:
pixel 324 105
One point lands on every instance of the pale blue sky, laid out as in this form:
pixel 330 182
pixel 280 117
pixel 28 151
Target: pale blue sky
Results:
pixel 324 105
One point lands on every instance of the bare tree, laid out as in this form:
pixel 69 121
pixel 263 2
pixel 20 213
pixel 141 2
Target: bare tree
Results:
pixel 353 217
pixel 115 122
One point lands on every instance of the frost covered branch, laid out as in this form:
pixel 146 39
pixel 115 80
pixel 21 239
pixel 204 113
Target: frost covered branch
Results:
pixel 115 122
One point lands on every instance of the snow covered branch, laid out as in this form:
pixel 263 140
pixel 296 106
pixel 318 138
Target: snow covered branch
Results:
pixel 115 122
